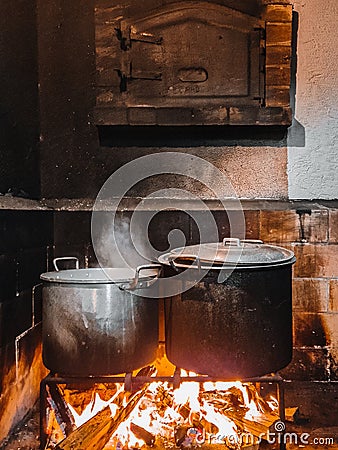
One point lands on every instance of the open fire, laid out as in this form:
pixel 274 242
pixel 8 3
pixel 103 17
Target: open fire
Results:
pixel 199 413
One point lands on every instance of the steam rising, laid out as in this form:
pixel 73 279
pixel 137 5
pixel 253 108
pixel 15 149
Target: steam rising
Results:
pixel 118 247
pixel 122 240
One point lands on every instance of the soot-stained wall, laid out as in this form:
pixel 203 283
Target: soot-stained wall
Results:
pixel 19 128
pixel 48 94
pixel 73 164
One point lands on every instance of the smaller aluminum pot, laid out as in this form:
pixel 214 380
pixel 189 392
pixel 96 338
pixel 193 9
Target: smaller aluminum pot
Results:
pixel 99 321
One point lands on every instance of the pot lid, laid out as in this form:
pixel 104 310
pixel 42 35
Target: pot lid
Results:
pixel 99 275
pixel 231 252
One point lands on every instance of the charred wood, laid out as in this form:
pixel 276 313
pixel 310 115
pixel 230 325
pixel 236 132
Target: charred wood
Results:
pixel 96 432
pixel 143 434
pixel 62 412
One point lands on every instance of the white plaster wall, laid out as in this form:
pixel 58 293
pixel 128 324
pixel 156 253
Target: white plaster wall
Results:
pixel 313 169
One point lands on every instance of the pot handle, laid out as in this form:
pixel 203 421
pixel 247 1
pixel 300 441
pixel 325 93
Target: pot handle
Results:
pixel 232 241
pixel 66 258
pixel 171 260
pixel 134 283
pixel 252 241
pixel 237 242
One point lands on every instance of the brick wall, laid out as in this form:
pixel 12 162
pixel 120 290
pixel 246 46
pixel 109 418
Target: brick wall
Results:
pixel 315 294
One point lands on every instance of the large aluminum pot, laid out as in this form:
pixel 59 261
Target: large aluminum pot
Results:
pixel 240 326
pixel 98 321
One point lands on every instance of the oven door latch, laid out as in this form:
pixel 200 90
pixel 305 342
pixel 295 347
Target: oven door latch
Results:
pixel 127 35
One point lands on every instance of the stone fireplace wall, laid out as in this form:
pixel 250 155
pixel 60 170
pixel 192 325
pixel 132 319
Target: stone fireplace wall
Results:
pixel 31 238
pixel 315 275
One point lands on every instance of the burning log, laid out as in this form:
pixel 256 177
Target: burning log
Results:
pixel 262 405
pixel 292 414
pixel 147 371
pixel 80 398
pixel 192 415
pixel 235 404
pixel 180 434
pixel 61 410
pixel 259 426
pixel 196 420
pixel 96 432
pixel 143 434
pixel 90 431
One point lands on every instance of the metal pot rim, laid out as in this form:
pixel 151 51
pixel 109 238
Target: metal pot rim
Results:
pixel 98 275
pixel 231 253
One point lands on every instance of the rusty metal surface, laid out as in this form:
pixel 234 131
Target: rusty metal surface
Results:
pixel 237 329
pixel 97 329
pixel 196 38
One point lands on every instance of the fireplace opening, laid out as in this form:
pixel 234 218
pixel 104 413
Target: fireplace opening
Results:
pixel 145 410
pixel 311 395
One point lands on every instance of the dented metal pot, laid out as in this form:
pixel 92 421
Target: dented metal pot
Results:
pixel 97 321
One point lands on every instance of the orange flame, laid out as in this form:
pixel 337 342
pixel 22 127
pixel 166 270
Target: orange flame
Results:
pixel 195 412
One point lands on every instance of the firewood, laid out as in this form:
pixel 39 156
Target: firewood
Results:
pixel 180 434
pixel 258 426
pixel 61 410
pixel 292 414
pixel 262 404
pixel 82 437
pixel 196 420
pixel 96 432
pixel 143 434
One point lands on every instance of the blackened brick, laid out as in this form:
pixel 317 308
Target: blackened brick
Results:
pixel 25 229
pixel 308 364
pixel 15 317
pixel 333 226
pixel 72 227
pixel 318 261
pixel 285 226
pixel 31 263
pixel 8 277
pixel 333 296
pixel 162 224
pixel 309 330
